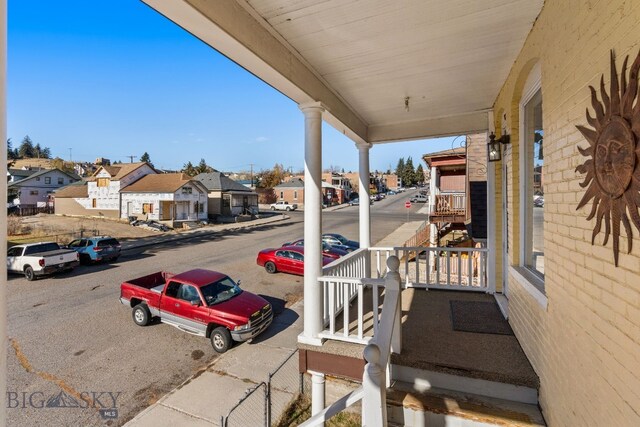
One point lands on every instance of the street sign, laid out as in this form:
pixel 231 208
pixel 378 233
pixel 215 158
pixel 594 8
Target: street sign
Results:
pixel 407 204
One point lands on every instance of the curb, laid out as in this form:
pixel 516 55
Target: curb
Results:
pixel 197 233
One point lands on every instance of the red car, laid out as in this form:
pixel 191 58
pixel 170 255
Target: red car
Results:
pixel 327 250
pixel 287 259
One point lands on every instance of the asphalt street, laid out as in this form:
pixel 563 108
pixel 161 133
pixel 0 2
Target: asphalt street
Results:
pixel 72 342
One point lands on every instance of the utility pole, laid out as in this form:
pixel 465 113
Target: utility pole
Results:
pixel 131 158
pixel 251 164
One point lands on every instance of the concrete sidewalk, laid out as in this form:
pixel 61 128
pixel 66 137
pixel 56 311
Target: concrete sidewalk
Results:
pixel 209 395
pixel 208 230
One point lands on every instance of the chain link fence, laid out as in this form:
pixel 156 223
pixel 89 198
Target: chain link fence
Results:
pixel 266 403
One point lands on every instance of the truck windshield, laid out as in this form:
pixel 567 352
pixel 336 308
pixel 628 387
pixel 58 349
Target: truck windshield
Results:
pixel 220 291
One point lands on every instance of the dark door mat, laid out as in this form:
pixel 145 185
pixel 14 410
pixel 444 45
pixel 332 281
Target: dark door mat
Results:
pixel 479 317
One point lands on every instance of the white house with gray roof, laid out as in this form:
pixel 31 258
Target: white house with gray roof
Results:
pixel 35 187
pixel 226 197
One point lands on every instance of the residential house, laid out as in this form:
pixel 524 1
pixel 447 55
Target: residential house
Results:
pixel 170 197
pixel 35 188
pixel 102 191
pixel 291 191
pixel 397 71
pixel 14 175
pixel 340 188
pixel 447 192
pixel 227 197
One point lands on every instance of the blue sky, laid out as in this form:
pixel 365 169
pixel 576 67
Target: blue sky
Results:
pixel 113 79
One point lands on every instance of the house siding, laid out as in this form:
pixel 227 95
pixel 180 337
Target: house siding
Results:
pixel 28 185
pixel 585 343
pixel 71 207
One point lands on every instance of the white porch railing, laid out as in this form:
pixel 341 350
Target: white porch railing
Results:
pixel 377 354
pixel 344 280
pixel 460 269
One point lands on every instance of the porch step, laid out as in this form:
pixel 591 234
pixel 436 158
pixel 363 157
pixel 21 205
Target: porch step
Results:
pixel 440 407
pixel 422 380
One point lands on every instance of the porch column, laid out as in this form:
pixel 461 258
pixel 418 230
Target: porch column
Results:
pixel 365 211
pixel 317 393
pixel 492 259
pixel 3 195
pixel 433 232
pixel 313 291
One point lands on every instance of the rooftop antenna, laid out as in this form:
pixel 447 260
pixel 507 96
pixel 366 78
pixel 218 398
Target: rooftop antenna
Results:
pixel 131 158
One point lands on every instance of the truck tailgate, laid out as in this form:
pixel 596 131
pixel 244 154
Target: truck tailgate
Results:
pixel 60 256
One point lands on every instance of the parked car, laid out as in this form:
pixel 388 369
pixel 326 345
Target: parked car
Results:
pixel 327 250
pixel 287 259
pixel 201 302
pixel 39 259
pixel 335 239
pixel 355 202
pixel 391 193
pixel 539 202
pixel 419 198
pixel 283 206
pixel 96 249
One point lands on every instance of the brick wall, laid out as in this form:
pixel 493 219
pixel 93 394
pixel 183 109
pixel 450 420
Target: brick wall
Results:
pixel 585 343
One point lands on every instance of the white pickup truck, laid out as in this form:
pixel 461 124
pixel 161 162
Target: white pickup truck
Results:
pixel 39 259
pixel 283 206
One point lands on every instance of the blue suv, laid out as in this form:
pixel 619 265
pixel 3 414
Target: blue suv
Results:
pixel 95 249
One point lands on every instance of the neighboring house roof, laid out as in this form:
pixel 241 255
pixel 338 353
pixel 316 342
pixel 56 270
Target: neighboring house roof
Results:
pixel 294 183
pixel 121 170
pixel 76 190
pixel 219 181
pixel 40 173
pixel 160 183
pixel 21 173
pixel 327 185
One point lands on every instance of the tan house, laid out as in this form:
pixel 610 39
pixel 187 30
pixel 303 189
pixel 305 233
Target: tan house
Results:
pixel 291 191
pixel 169 197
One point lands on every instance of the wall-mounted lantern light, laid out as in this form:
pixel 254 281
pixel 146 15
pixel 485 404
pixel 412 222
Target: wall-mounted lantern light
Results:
pixel 493 147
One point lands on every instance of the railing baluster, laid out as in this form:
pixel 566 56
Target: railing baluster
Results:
pixel 332 308
pixel 459 268
pixel 345 312
pixel 375 309
pixel 483 263
pixel 417 280
pixel 470 266
pixel 360 311
pixel 448 268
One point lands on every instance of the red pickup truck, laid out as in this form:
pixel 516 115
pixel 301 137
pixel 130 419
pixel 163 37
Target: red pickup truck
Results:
pixel 200 302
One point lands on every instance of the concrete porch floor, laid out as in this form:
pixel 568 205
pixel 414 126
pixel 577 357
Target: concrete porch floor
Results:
pixel 430 343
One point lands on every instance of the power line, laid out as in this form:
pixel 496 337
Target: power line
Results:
pixel 131 158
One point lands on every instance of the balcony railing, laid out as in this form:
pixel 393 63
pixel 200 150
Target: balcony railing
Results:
pixel 449 204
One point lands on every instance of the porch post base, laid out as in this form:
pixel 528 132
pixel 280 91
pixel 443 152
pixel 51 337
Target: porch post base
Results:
pixel 303 339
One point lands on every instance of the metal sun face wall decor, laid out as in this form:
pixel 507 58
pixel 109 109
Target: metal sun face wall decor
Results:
pixel 613 167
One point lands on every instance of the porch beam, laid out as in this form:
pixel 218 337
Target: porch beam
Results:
pixel 237 31
pixel 313 291
pixel 461 124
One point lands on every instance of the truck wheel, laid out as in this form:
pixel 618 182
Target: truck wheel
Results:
pixel 29 274
pixel 288 208
pixel 273 208
pixel 141 315
pixel 220 339
pixel 270 267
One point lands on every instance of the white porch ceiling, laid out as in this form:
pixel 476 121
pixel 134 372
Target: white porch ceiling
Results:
pixel 361 58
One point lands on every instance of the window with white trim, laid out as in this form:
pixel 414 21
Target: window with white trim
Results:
pixel 532 194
